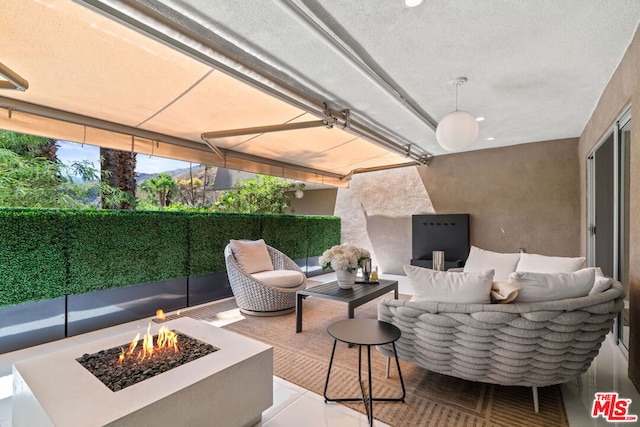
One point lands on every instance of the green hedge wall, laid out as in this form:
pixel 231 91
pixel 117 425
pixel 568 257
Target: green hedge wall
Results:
pixel 32 255
pixel 51 253
pixel 210 233
pixel 111 249
pixel 322 233
pixel 288 232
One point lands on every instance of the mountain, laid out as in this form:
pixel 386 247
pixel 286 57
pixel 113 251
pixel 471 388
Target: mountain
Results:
pixel 184 175
pixel 174 173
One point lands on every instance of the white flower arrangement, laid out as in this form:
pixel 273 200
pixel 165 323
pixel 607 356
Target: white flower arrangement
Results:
pixel 343 257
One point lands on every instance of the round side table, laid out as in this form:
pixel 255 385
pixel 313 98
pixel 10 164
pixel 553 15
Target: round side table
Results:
pixel 364 332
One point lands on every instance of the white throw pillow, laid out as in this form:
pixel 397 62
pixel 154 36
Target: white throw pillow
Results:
pixel 448 287
pixel 252 255
pixel 504 292
pixel 534 263
pixel 538 287
pixel 602 282
pixel 482 260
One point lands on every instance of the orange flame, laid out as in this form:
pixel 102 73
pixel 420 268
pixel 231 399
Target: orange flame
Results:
pixel 134 343
pixel 160 315
pixel 166 339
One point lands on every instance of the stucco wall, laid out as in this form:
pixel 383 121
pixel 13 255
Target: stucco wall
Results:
pixel 622 91
pixel 523 196
pixel 376 214
pixel 615 99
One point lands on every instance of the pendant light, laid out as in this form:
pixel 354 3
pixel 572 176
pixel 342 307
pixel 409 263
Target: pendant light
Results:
pixel 459 129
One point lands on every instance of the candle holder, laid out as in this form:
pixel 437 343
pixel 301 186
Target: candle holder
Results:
pixel 438 260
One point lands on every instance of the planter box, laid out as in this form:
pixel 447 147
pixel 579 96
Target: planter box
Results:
pixel 314 268
pixel 101 309
pixel 31 323
pixel 208 287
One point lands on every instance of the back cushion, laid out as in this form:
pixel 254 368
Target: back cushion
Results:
pixel 548 264
pixel 481 260
pixel 252 255
pixel 538 287
pixel 448 287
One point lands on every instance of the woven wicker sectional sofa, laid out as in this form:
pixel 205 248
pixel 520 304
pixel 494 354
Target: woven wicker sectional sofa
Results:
pixel 532 344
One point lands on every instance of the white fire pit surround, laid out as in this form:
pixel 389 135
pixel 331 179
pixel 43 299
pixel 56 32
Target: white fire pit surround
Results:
pixel 230 387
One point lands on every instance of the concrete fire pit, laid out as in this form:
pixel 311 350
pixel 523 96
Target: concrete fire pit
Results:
pixel 229 387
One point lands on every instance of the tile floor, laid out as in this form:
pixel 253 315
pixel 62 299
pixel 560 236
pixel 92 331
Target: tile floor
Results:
pixel 294 406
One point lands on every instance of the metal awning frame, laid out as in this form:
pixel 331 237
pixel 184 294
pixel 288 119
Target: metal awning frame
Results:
pixel 143 17
pixel 330 120
pixel 226 158
pixel 13 105
pixel 147 19
pixel 12 80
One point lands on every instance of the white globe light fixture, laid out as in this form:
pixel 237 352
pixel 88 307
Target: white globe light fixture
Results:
pixel 412 3
pixel 459 129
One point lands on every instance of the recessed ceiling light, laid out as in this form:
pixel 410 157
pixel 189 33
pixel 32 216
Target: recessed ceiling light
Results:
pixel 480 119
pixel 412 3
pixel 491 138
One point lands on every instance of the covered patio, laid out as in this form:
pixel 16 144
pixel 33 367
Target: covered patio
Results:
pixel 348 96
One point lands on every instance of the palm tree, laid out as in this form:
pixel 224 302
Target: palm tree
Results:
pixel 48 149
pixel 118 170
pixel 161 187
pixel 206 182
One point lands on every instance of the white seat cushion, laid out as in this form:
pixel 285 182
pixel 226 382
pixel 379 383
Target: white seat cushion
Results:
pixel 252 255
pixel 280 278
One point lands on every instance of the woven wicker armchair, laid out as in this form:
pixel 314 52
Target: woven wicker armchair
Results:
pixel 257 298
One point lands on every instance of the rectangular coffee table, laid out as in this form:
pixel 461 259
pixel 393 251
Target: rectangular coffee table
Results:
pixel 355 297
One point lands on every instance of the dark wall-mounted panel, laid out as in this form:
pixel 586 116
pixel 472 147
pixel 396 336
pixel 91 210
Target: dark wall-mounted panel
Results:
pixel 31 323
pixel 101 309
pixel 440 232
pixel 208 287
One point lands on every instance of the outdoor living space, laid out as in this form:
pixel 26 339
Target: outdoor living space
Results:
pixel 470 154
pixel 294 405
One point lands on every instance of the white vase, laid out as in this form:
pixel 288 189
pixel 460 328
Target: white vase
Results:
pixel 346 279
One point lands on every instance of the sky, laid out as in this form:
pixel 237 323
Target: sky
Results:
pixel 69 152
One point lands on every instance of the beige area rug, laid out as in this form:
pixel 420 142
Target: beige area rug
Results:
pixel 432 399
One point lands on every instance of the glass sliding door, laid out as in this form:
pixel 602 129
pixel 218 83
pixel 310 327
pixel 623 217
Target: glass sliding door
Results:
pixel 608 213
pixel 624 138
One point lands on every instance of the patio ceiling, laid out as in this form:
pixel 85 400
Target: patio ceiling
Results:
pixel 94 80
pixel 153 76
